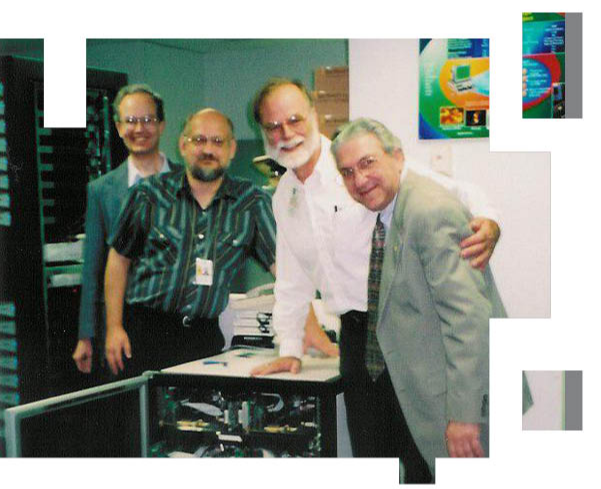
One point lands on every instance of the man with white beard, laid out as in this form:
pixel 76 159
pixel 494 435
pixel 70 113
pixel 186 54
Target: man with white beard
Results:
pixel 323 238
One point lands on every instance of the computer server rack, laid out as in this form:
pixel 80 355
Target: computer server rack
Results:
pixel 162 414
pixel 43 177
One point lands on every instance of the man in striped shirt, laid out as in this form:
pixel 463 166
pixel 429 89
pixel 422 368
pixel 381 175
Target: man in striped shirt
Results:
pixel 180 240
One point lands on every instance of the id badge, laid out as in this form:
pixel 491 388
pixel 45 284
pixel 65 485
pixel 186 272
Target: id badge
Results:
pixel 293 203
pixel 204 272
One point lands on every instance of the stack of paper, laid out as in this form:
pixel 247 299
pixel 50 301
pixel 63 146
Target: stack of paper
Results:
pixel 252 321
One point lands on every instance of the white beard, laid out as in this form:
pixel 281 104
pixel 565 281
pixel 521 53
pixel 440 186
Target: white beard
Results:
pixel 297 158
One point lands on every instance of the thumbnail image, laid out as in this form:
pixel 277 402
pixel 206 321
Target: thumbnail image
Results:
pixel 475 118
pixel 451 116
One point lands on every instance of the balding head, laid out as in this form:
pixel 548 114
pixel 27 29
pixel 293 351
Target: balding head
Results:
pixel 207 144
pixel 208 113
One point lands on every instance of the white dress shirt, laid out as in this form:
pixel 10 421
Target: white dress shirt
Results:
pixel 134 175
pixel 323 244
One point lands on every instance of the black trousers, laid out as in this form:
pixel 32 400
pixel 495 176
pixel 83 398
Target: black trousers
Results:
pixel 377 426
pixel 159 340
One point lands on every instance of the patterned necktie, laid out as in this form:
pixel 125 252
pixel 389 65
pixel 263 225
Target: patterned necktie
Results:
pixel 374 359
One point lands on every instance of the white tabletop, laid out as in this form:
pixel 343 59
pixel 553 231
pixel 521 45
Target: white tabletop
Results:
pixel 239 363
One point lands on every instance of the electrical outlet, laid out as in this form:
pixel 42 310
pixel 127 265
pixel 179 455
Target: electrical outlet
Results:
pixel 441 160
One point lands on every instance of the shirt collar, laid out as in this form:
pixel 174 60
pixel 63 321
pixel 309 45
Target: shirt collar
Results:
pixel 387 213
pixel 324 170
pixel 226 189
pixel 134 175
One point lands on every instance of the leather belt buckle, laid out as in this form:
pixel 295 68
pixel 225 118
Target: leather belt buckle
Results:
pixel 187 321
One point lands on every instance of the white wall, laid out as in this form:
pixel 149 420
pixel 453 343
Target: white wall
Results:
pixel 547 412
pixel 384 86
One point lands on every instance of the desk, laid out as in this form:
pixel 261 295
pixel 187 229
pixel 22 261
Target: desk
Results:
pixel 239 363
pixel 222 385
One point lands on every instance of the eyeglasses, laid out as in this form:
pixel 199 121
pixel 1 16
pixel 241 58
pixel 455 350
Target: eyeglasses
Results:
pixel 293 121
pixel 363 167
pixel 201 140
pixel 145 120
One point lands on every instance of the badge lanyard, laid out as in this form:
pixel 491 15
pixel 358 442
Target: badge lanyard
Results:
pixel 204 266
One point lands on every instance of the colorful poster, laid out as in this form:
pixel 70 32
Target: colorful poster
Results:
pixel 543 65
pixel 453 88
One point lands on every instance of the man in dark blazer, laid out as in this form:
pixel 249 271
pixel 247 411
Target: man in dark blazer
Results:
pixel 140 119
pixel 433 308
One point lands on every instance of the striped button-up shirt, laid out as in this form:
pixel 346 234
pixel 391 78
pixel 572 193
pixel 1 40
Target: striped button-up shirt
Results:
pixel 163 230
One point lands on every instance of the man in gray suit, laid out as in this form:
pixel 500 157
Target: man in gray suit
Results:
pixel 140 119
pixel 430 333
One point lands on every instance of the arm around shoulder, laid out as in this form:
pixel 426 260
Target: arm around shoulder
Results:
pixel 461 299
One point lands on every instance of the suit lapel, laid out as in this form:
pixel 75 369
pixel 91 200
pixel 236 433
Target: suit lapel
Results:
pixel 394 246
pixel 120 182
pixel 114 192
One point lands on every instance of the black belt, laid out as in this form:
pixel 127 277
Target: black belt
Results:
pixel 187 321
pixel 355 316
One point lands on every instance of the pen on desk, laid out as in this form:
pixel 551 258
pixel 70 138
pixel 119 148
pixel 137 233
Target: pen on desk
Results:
pixel 214 362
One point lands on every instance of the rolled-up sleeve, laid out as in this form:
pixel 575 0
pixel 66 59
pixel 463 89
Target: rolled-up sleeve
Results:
pixel 265 230
pixel 133 224
pixel 293 291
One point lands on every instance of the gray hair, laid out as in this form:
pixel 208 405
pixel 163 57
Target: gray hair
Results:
pixel 138 88
pixel 361 126
pixel 271 85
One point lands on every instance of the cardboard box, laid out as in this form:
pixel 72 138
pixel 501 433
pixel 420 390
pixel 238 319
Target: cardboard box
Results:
pixel 325 95
pixel 329 123
pixel 332 78
pixel 331 103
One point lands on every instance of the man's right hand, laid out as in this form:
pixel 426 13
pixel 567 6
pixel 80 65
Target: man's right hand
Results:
pixel 463 440
pixel 281 364
pixel 117 342
pixel 83 355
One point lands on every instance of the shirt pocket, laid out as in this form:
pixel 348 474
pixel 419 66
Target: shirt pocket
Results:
pixel 164 242
pixel 352 229
pixel 232 242
pixel 237 231
pixel 229 252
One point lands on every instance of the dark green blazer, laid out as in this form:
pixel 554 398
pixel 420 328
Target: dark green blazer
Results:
pixel 105 197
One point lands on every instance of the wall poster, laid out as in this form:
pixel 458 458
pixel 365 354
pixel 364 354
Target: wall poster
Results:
pixel 543 65
pixel 453 88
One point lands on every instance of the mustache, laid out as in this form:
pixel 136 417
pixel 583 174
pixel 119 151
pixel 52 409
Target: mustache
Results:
pixel 208 156
pixel 289 144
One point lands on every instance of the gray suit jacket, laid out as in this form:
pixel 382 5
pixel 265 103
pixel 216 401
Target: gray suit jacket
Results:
pixel 527 401
pixel 434 310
